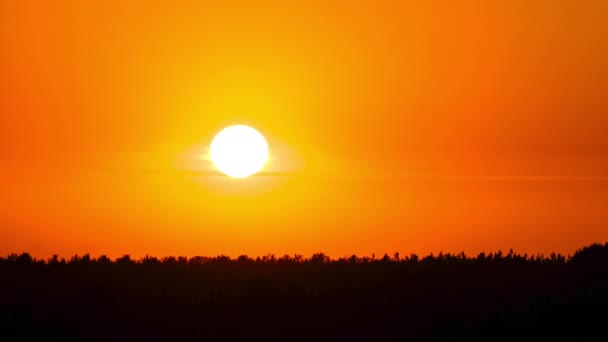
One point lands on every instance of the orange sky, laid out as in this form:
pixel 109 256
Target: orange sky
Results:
pixel 418 126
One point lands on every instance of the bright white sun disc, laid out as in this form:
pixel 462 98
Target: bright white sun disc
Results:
pixel 239 151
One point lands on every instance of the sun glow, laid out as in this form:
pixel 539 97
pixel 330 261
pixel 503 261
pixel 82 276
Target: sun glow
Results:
pixel 239 151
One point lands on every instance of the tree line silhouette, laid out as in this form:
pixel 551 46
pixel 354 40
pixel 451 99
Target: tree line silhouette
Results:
pixel 437 297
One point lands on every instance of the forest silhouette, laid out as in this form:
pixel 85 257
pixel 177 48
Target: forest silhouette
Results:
pixel 496 296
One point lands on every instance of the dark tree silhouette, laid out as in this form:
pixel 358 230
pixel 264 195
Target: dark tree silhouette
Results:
pixel 496 296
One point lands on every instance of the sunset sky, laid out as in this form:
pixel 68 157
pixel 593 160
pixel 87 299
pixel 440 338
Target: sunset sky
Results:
pixel 405 126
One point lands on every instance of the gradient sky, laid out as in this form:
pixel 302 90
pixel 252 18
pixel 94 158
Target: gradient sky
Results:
pixel 410 126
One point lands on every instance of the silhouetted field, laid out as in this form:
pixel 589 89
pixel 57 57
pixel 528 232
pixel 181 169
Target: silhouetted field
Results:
pixel 444 297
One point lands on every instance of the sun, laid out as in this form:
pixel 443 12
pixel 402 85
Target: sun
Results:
pixel 239 151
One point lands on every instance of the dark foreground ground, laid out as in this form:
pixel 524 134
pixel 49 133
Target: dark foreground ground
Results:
pixel 446 297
